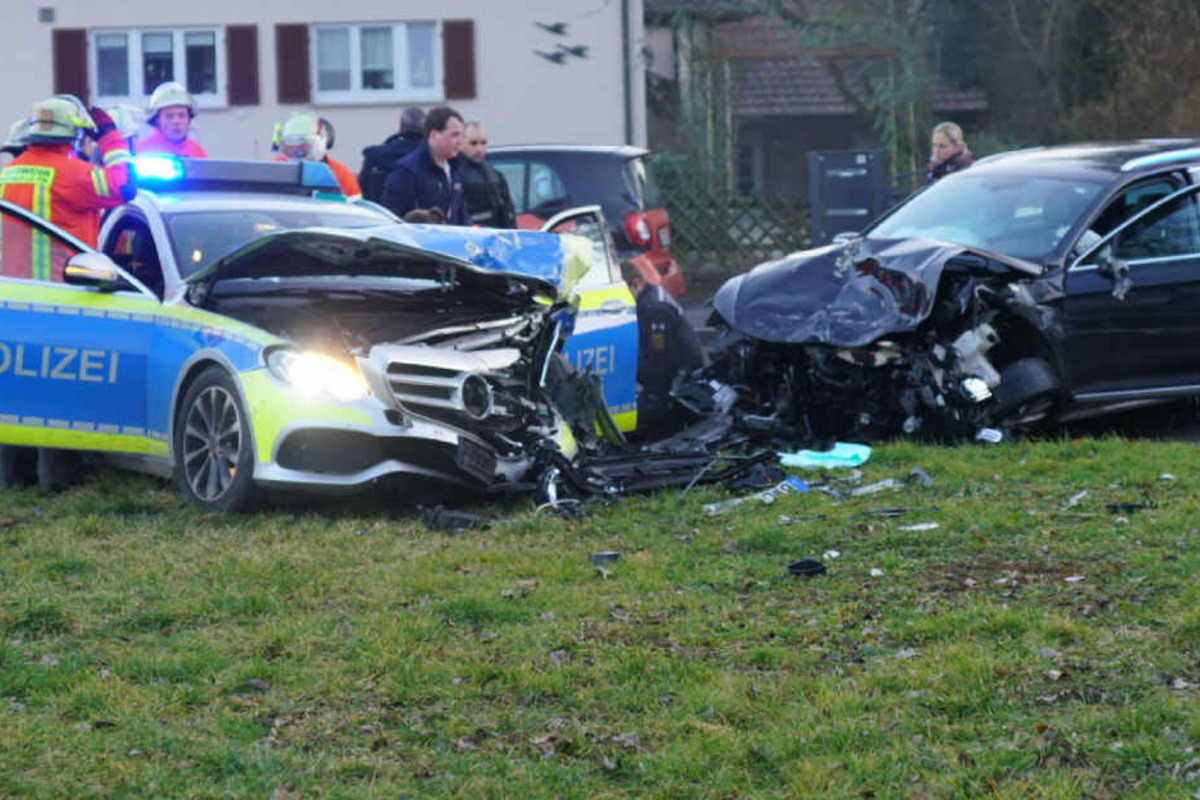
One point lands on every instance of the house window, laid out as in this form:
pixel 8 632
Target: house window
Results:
pixel 376 63
pixel 129 64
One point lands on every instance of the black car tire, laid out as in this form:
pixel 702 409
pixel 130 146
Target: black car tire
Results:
pixel 1027 393
pixel 18 466
pixel 214 456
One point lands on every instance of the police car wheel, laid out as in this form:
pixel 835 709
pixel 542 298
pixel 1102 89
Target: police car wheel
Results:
pixel 213 458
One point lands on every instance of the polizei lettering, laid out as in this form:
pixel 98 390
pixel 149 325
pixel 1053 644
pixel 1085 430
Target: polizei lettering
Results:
pixel 59 363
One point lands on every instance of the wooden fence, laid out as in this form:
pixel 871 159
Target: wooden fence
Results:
pixel 715 234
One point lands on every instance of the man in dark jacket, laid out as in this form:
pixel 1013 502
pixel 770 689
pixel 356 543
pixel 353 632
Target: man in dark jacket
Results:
pixel 378 159
pixel 426 178
pixel 667 345
pixel 484 189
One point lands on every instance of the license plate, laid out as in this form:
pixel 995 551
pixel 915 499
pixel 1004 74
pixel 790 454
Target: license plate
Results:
pixel 664 236
pixel 476 460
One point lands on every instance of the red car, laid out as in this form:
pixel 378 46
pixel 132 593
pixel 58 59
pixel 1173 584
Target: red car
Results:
pixel 547 179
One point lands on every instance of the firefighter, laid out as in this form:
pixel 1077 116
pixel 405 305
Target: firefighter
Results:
pixel 171 111
pixel 305 137
pixel 14 145
pixel 50 180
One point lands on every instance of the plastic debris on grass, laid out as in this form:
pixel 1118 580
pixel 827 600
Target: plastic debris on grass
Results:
pixel 842 455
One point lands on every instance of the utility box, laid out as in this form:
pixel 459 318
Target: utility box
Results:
pixel 845 191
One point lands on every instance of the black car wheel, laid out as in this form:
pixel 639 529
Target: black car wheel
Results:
pixel 1027 393
pixel 214 460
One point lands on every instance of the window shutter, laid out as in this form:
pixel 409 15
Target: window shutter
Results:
pixel 458 58
pixel 241 64
pixel 69 47
pixel 291 62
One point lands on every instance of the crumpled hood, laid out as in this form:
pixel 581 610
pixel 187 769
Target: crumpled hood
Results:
pixel 542 261
pixel 849 295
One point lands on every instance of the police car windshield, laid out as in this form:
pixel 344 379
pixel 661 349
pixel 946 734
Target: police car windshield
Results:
pixel 1023 217
pixel 198 238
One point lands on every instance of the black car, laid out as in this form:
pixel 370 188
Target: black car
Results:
pixel 547 179
pixel 1053 282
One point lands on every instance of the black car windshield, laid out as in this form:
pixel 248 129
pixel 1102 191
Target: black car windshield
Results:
pixel 1023 217
pixel 198 238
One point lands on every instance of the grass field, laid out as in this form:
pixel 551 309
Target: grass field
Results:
pixel 1025 648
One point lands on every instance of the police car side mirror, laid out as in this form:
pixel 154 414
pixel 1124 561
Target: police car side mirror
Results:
pixel 95 271
pixel 845 237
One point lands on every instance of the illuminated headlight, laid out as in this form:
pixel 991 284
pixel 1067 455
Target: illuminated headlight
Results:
pixel 475 395
pixel 314 373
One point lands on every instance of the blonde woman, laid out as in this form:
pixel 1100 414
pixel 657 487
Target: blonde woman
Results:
pixel 949 152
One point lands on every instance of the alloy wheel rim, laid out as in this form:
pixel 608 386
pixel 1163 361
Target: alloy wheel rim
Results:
pixel 212 443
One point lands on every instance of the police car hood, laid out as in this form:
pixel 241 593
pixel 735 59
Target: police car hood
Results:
pixel 521 262
pixel 849 295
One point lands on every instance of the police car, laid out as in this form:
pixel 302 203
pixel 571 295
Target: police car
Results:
pixel 243 326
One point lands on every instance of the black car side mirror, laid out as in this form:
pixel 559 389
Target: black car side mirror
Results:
pixel 1115 270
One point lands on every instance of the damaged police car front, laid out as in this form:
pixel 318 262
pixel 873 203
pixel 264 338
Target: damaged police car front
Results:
pixel 1052 282
pixel 266 337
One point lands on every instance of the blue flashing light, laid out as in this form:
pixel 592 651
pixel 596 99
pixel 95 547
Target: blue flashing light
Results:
pixel 158 168
pixel 317 175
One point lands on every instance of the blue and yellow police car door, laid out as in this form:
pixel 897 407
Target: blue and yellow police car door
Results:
pixel 605 339
pixel 73 361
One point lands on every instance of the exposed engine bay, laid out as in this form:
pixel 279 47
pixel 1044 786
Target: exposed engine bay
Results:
pixel 914 338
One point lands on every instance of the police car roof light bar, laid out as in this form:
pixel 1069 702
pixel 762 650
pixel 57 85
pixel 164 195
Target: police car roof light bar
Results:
pixel 194 174
pixel 157 168
pixel 317 175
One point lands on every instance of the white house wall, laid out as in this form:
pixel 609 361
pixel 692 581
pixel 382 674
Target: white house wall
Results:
pixel 522 97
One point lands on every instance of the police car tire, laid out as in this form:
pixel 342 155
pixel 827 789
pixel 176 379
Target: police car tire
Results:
pixel 214 390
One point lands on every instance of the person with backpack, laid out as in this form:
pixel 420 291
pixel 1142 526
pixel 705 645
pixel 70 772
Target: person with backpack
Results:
pixel 379 159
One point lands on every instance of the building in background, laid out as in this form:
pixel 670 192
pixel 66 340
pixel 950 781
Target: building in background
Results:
pixel 535 72
pixel 729 78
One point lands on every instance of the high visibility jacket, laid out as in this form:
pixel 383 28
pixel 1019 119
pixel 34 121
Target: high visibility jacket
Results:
pixel 157 143
pixel 345 178
pixel 51 182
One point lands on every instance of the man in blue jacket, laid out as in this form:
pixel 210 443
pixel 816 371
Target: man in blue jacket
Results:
pixel 426 177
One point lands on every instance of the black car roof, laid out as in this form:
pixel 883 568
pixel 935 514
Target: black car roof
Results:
pixel 1096 159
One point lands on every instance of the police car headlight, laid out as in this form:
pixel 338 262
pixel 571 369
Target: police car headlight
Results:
pixel 315 373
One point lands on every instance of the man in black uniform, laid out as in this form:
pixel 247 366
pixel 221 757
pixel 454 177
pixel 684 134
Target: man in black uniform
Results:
pixel 486 192
pixel 667 345
pixel 378 159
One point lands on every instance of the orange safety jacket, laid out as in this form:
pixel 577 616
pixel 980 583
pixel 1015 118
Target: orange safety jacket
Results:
pixel 157 143
pixel 345 178
pixel 50 181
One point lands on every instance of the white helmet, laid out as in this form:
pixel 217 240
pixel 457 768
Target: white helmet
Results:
pixel 15 142
pixel 166 95
pixel 59 119
pixel 303 137
pixel 128 119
